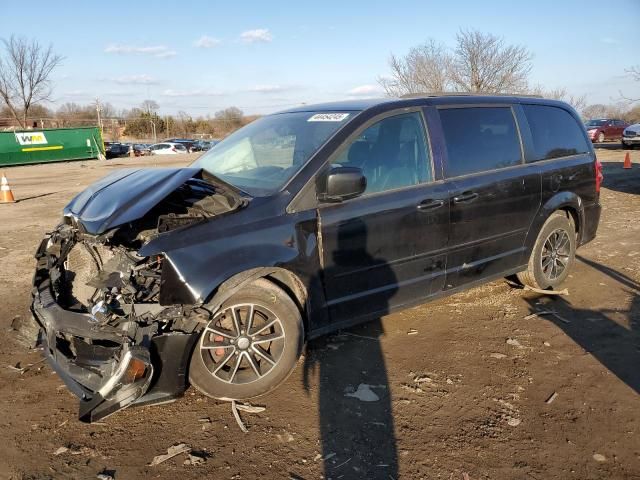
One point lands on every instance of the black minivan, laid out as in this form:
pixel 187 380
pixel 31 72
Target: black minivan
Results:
pixel 301 223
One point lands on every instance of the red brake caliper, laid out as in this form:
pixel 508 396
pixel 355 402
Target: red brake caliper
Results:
pixel 218 351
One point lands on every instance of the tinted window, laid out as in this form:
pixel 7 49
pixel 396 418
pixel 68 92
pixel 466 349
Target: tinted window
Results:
pixel 392 153
pixel 479 139
pixel 555 132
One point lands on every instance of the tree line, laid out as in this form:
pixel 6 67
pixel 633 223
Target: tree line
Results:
pixel 140 122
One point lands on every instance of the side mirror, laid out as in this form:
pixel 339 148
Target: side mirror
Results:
pixel 341 183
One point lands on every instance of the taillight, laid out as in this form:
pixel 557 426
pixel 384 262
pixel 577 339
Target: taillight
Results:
pixel 599 175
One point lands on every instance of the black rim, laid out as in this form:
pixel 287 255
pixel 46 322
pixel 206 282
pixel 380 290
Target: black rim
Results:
pixel 242 343
pixel 556 252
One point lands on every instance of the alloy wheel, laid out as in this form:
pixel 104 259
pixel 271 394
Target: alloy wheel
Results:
pixel 556 252
pixel 242 343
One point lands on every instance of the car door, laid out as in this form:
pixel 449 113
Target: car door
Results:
pixel 494 196
pixel 386 248
pixel 610 130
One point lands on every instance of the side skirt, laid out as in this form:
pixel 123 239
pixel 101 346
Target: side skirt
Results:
pixel 442 293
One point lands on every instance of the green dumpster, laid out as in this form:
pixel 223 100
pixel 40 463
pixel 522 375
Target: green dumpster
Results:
pixel 50 145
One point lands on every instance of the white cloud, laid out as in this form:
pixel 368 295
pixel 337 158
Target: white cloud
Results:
pixel 143 79
pixel 206 41
pixel 365 91
pixel 190 93
pixel 158 51
pixel 259 35
pixel 267 89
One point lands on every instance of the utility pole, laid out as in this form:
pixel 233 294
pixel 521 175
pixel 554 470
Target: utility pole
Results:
pixel 99 110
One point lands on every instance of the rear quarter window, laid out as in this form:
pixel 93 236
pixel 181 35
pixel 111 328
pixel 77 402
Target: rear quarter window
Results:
pixel 479 139
pixel 556 133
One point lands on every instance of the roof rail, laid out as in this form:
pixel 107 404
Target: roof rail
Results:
pixel 466 94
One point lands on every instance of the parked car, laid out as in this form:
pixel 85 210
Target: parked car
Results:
pixel 301 223
pixel 188 143
pixel 141 149
pixel 202 145
pixel 603 129
pixel 631 136
pixel 115 149
pixel 167 148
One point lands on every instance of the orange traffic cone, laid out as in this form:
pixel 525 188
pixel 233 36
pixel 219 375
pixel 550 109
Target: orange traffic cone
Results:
pixel 6 195
pixel 627 161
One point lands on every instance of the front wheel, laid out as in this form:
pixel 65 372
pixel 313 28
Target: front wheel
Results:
pixel 553 254
pixel 601 137
pixel 250 345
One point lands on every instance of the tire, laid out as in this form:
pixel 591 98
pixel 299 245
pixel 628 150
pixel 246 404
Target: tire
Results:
pixel 213 369
pixel 601 137
pixel 626 146
pixel 535 275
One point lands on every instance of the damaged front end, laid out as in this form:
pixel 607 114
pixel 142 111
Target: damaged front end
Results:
pixel 115 325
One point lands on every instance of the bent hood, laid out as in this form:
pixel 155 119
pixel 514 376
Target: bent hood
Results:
pixel 125 196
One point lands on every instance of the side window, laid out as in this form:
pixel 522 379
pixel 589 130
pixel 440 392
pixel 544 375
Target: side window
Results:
pixel 479 139
pixel 555 132
pixel 392 153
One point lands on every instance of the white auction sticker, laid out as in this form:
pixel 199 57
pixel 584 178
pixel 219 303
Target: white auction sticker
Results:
pixel 328 117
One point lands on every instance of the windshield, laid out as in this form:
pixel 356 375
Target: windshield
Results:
pixel 261 157
pixel 595 123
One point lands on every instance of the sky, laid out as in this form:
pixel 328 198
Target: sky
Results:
pixel 264 56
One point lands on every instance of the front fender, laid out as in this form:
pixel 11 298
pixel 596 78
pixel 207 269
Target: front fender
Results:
pixel 202 272
pixel 560 200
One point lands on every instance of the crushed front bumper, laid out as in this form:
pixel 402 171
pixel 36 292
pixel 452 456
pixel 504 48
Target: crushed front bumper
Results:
pixel 140 358
pixel 99 364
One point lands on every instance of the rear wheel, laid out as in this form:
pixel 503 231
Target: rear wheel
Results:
pixel 553 254
pixel 250 346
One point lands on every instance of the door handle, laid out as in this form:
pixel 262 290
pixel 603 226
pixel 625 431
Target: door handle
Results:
pixel 430 204
pixel 465 197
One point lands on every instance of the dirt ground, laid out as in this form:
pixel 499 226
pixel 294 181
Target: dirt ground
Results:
pixel 461 388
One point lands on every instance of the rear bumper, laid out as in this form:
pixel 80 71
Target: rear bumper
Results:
pixel 591 222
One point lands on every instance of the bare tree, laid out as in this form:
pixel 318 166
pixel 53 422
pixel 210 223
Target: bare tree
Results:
pixel 480 62
pixel 424 69
pixel 483 63
pixel 150 106
pixel 597 110
pixel 579 102
pixel 634 73
pixel 184 123
pixel 229 119
pixel 25 68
